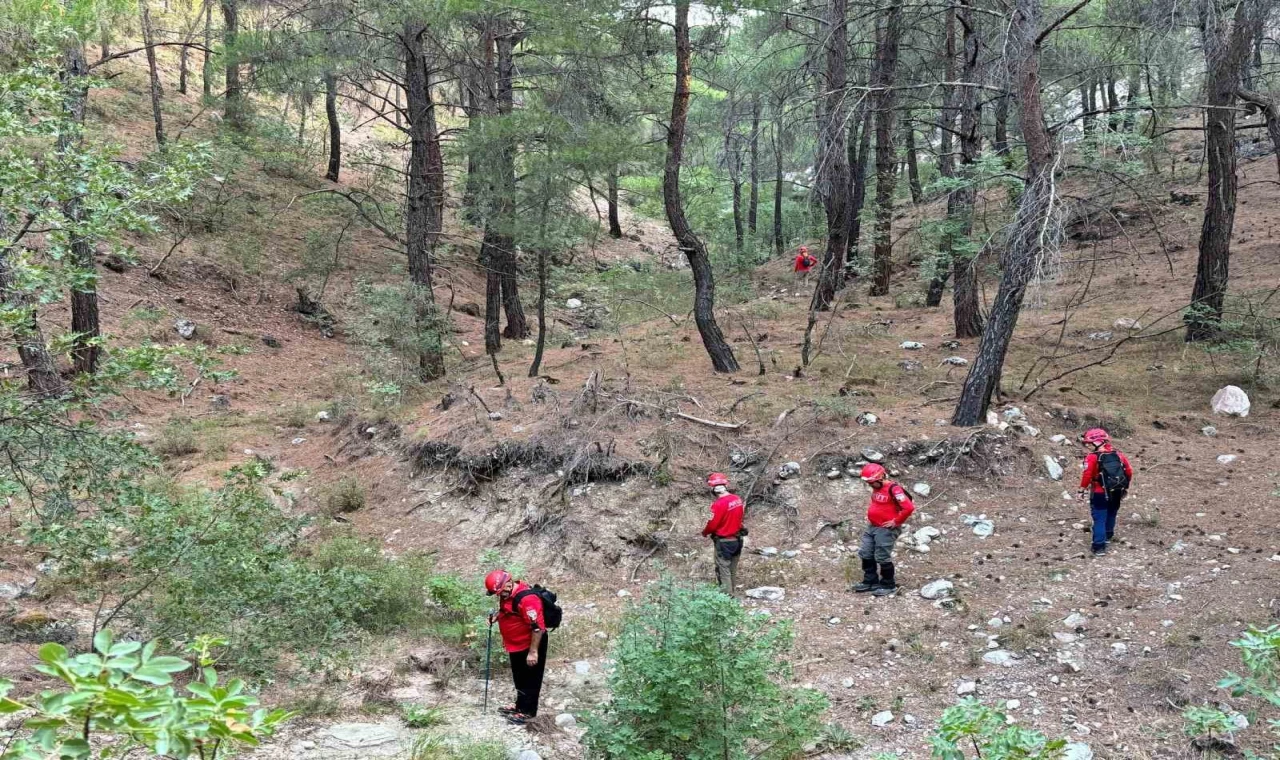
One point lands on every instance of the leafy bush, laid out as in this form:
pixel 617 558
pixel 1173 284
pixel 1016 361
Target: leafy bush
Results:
pixel 124 691
pixel 987 732
pixel 1260 652
pixel 698 678
pixel 344 495
pixel 436 747
pixel 177 439
pixel 387 327
pixel 417 716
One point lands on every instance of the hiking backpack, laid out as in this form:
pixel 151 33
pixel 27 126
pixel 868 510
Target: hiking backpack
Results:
pixel 551 612
pixel 1111 473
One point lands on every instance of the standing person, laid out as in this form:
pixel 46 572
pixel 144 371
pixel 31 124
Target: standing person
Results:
pixel 889 509
pixel 805 261
pixel 1107 475
pixel 725 530
pixel 520 619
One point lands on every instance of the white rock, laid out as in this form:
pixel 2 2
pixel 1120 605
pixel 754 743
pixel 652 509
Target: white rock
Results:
pixel 1013 704
pixel 847 683
pixel 871 455
pixel 1075 620
pixel 1053 468
pixel 1077 751
pixel 937 589
pixel 1275 558
pixel 1127 323
pixel 921 489
pixel 573 303
pixel 1065 638
pixel 582 667
pixel 911 345
pixel 1068 660
pixel 1232 401
pixel 767 593
pixel 298 441
pixel 361 735
pixel 1239 721
pixel 867 418
pixel 789 470
pixel 982 527
pixel 769 551
pixel 882 719
pixel 185 328
pixel 1209 430
pixel 995 622
pixel 1100 335
pixel 1059 439
pixel 956 361
pixel 968 687
pixel 622 592
pixel 834 474
pixel 834 621
pixel 790 554
pixel 993 419
pixel 495 416
pixel 1119 648
pixel 1227 458
pixel 926 534
pixel 566 720
pixel 999 657
pixel 528 754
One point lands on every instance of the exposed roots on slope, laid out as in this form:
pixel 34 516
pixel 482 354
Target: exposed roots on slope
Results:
pixel 592 463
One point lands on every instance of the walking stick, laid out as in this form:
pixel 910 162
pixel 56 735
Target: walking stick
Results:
pixel 488 650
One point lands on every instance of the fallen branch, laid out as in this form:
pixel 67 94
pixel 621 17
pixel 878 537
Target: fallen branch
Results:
pixel 710 423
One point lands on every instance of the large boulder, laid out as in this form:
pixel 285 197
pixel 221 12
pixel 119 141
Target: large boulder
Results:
pixel 1232 401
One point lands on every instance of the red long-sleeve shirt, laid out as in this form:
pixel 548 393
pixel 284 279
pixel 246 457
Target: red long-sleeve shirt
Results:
pixel 1093 475
pixel 805 262
pixel 890 506
pixel 726 517
pixel 517 626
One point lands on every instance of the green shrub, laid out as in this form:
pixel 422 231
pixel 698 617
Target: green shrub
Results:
pixel 343 496
pixel 987 732
pixel 124 691
pixel 437 747
pixel 1260 652
pixel 418 716
pixel 177 439
pixel 698 678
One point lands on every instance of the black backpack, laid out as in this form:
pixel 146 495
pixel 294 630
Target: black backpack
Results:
pixel 1111 473
pixel 551 612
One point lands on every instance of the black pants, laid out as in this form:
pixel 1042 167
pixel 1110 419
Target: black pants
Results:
pixel 528 680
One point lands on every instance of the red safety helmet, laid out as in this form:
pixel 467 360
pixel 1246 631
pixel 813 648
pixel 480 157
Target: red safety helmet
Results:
pixel 1097 436
pixel 717 479
pixel 873 472
pixel 494 581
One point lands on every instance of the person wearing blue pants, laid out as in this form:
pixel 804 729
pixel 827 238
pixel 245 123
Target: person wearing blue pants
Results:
pixel 1106 478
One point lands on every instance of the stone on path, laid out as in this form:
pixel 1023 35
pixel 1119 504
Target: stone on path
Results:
pixel 1077 751
pixel 361 735
pixel 767 593
pixel 937 589
pixel 968 687
pixel 1053 468
pixel 882 719
pixel 999 657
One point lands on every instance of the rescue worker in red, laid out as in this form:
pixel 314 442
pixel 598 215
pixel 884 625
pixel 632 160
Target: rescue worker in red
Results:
pixel 805 261
pixel 1106 478
pixel 890 507
pixel 525 639
pixel 725 531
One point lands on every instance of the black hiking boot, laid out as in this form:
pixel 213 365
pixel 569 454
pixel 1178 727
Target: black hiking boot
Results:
pixel 888 585
pixel 870 578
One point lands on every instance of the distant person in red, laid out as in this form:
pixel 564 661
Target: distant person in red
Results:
pixel 805 261
pixel 725 531
pixel 1106 478
pixel 520 620
pixel 890 507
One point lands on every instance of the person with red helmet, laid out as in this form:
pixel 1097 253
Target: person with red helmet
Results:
pixel 725 531
pixel 889 509
pixel 805 261
pixel 1106 478
pixel 520 620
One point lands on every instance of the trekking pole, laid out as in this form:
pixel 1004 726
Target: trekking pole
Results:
pixel 488 650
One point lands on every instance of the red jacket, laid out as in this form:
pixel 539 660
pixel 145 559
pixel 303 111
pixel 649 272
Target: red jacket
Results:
pixel 1092 473
pixel 805 262
pixel 726 517
pixel 517 626
pixel 890 506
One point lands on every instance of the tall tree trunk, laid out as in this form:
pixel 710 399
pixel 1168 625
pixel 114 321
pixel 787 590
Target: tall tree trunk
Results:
pixel 1226 48
pixel 722 358
pixel 206 64
pixel 885 71
pixel 733 161
pixel 1087 107
pixel 913 164
pixel 1271 113
pixel 1034 226
pixel 1130 103
pixel 42 374
pixel 84 295
pixel 184 61
pixel 779 244
pixel 505 248
pixel 1113 105
pixel 1000 139
pixel 754 147
pixel 858 178
pixel 962 254
pixel 302 118
pixel 235 109
pixel 148 39
pixel 424 205
pixel 833 163
pixel 946 161
pixel 615 225
pixel 542 279
pixel 335 129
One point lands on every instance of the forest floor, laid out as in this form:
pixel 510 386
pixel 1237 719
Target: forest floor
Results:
pixel 1105 651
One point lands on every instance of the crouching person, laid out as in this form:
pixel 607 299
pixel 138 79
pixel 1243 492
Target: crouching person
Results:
pixel 889 509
